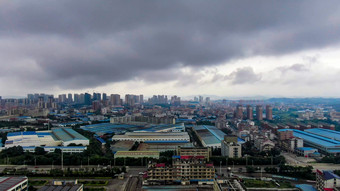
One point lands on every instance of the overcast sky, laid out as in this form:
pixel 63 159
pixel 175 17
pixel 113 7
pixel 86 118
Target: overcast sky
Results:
pixel 224 48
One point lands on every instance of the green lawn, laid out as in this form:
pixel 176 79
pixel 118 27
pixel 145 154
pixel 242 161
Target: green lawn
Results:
pixel 37 182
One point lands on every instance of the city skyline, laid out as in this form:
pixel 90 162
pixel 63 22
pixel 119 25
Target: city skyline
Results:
pixel 227 49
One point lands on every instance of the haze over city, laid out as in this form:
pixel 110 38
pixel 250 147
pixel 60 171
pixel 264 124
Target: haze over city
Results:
pixel 227 49
pixel 184 95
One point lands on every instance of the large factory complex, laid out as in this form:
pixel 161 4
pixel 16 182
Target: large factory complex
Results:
pixel 59 138
pixel 325 140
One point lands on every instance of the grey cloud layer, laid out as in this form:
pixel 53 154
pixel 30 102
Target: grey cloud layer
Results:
pixel 81 44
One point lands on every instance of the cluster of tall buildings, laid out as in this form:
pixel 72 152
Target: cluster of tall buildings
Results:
pixel 200 99
pixel 158 99
pixel 259 112
pixel 131 100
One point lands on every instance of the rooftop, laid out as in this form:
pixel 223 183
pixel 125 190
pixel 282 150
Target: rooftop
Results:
pixel 325 133
pixel 8 182
pixel 109 128
pixel 210 134
pixel 58 188
pixel 316 139
pixel 67 134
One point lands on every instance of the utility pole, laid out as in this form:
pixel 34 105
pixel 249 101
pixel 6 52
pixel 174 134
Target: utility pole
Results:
pixel 233 167
pixel 272 160
pixel 88 161
pixel 62 160
pixel 220 167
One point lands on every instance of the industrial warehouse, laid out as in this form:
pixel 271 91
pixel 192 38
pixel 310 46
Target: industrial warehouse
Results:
pixel 210 136
pixel 55 137
pixel 152 136
pixel 318 139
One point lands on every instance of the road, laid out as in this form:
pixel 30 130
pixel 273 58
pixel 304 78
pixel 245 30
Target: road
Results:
pixel 134 184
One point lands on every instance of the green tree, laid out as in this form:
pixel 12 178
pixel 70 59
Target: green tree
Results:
pixel 39 151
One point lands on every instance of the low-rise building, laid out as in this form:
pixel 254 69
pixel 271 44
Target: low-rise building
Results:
pixel 307 152
pixel 184 170
pixel 327 180
pixel 230 147
pixel 55 137
pixel 192 166
pixel 152 136
pixel 137 154
pixel 193 151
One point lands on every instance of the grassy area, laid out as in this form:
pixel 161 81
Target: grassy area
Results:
pixel 93 182
pixel 37 182
pixel 265 184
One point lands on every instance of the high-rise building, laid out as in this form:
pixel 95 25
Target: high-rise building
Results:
pixel 69 98
pixel 259 112
pixel 96 105
pixel 87 99
pixel 50 101
pixel 115 99
pixel 82 98
pixel 62 98
pixel 104 97
pixel 175 100
pixel 160 99
pixel 130 99
pixel 239 112
pixel 249 112
pixel 200 99
pixel 269 112
pixel 76 98
pixel 141 99
pixel 41 103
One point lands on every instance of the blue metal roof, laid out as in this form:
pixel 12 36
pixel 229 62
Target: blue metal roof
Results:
pixel 56 147
pixel 306 148
pixel 329 175
pixel 315 139
pixel 166 142
pixel 305 187
pixel 109 128
pixel 21 133
pixel 100 140
pixel 325 133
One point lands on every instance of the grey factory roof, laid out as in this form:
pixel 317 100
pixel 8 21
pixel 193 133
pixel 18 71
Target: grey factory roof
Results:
pixel 67 134
pixel 8 182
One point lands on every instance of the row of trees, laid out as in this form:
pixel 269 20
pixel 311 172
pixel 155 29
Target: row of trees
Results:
pixel 217 160
pixel 331 159
pixel 86 172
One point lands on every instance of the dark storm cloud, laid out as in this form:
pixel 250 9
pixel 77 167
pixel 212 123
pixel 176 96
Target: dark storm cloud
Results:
pixel 80 44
